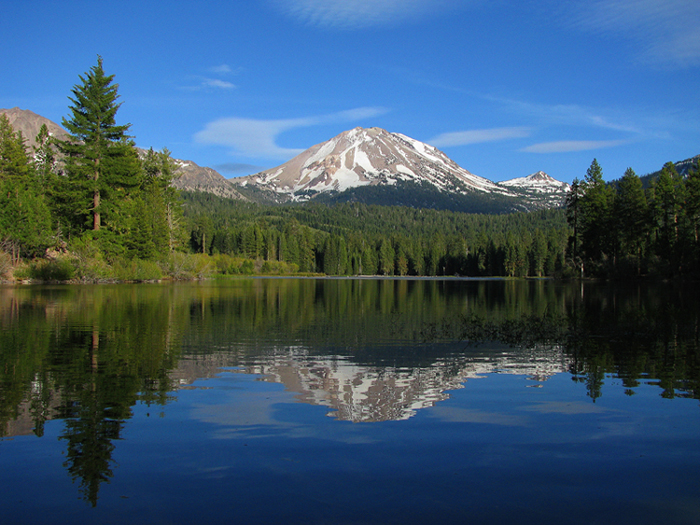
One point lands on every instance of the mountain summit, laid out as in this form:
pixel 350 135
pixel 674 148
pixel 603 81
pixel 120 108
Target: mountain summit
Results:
pixel 368 165
pixel 539 188
pixel 368 157
pixel 29 123
pixel 539 181
pixel 374 165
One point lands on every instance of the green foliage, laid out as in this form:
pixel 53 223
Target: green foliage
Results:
pixel 182 266
pixel 45 160
pixel 159 227
pixel 101 163
pixel 60 269
pixel 279 268
pixel 416 195
pixel 356 239
pixel 25 223
pixel 89 261
pixel 137 270
pixel 625 230
pixel 596 211
pixel 110 204
pixel 93 191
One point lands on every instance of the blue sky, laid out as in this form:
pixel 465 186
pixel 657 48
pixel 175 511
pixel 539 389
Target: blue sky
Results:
pixel 504 88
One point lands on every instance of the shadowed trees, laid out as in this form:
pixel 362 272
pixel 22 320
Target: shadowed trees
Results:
pixel 621 229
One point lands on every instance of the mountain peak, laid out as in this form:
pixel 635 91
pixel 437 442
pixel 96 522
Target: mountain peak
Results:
pixel 540 188
pixel 368 157
pixel 539 175
pixel 539 179
pixel 29 123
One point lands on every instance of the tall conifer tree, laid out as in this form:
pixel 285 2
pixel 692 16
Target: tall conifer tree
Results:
pixel 100 162
pixel 574 218
pixel 632 215
pixel 668 205
pixel 596 210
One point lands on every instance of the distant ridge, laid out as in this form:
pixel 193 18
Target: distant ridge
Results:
pixel 683 167
pixel 29 123
pixel 539 188
pixel 189 176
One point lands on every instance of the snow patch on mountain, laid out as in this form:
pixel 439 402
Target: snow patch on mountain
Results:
pixel 367 157
pixel 539 189
pixel 538 182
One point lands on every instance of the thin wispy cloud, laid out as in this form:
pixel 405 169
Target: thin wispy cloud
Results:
pixel 667 32
pixel 217 83
pixel 251 138
pixel 208 83
pixel 258 138
pixel 358 14
pixel 223 69
pixel 568 146
pixel 476 136
pixel 570 115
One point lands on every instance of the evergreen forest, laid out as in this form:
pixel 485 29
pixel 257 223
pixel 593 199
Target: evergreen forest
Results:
pixel 624 229
pixel 95 207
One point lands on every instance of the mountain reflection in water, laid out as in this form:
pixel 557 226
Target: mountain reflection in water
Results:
pixel 370 350
pixel 362 393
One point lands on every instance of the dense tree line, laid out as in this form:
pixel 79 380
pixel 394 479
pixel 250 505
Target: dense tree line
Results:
pixel 360 239
pixel 97 194
pixel 94 190
pixel 625 229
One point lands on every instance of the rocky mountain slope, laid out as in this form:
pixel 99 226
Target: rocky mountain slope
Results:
pixel 403 167
pixel 539 189
pixel 29 123
pixel 192 177
pixel 683 168
pixel 368 165
pixel 189 176
pixel 367 157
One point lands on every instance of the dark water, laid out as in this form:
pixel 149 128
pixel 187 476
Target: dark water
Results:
pixel 350 401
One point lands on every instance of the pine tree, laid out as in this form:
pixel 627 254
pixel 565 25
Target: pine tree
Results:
pixel 668 201
pixel 692 185
pixel 159 205
pixel 538 253
pixel 44 157
pixel 386 257
pixel 101 165
pixel 573 217
pixel 14 163
pixel 596 214
pixel 692 209
pixel 24 216
pixel 632 216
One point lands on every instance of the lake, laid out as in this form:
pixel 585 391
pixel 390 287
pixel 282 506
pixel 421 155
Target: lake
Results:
pixel 350 401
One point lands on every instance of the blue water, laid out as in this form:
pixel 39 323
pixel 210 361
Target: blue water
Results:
pixel 296 434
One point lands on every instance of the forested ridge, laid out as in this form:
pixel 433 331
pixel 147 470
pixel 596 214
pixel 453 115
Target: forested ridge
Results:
pixel 360 239
pixel 624 229
pixel 94 207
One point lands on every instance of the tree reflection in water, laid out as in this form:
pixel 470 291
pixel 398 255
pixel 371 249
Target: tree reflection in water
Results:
pixel 369 349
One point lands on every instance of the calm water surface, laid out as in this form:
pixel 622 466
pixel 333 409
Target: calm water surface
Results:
pixel 351 401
